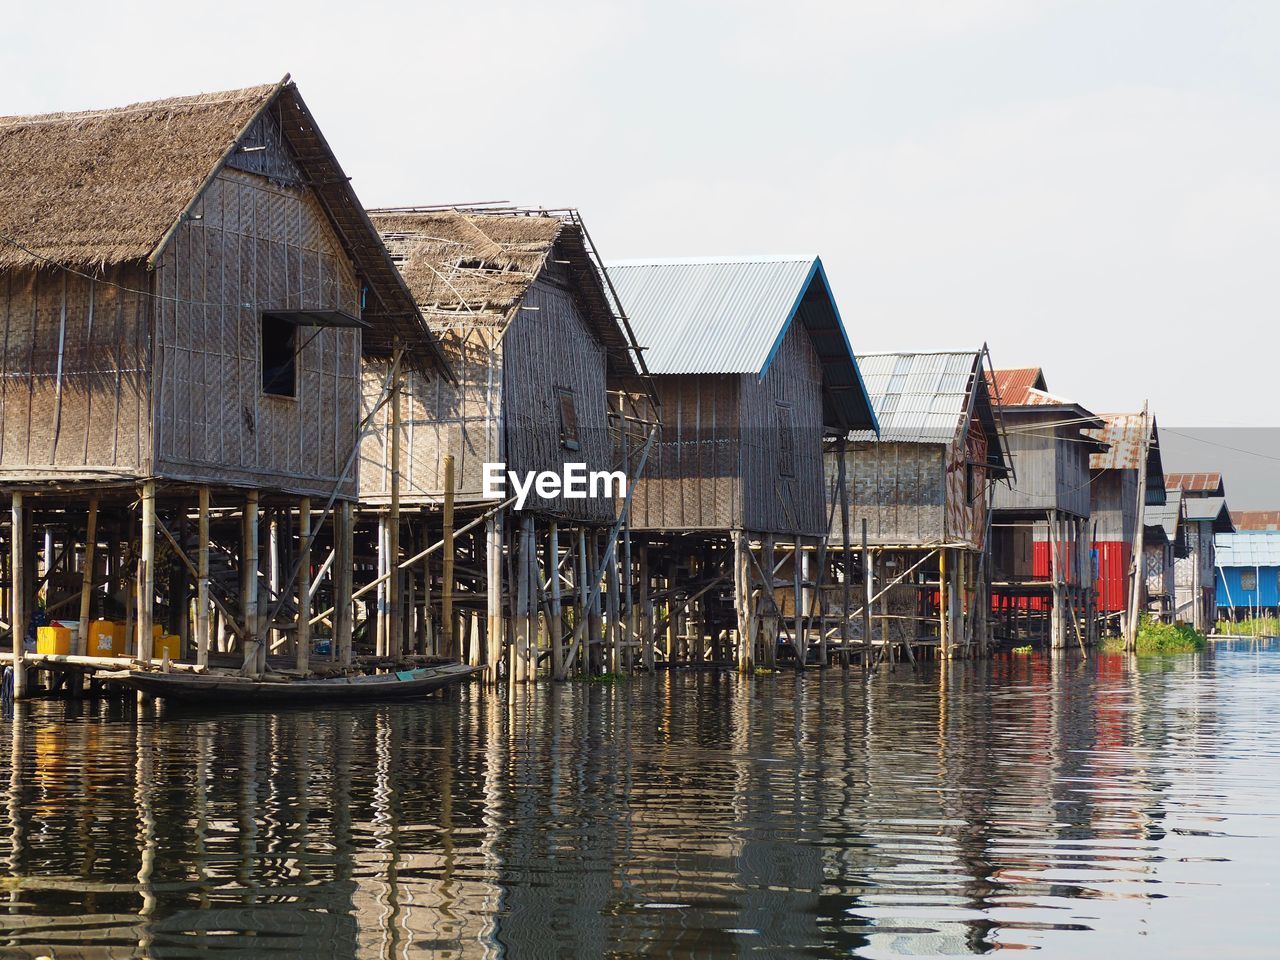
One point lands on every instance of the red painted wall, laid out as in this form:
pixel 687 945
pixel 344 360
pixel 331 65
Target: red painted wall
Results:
pixel 1113 573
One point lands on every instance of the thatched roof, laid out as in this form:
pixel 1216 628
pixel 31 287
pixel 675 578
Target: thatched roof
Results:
pixel 480 264
pixel 103 187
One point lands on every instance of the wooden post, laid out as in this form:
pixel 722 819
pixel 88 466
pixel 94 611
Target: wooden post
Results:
pixel 742 601
pixel 798 634
pixel 249 586
pixel 555 628
pixel 521 653
pixel 944 600
pixel 846 557
pixel 147 573
pixel 1139 544
pixel 448 646
pixel 86 576
pixel 582 615
pixel 493 599
pixel 18 550
pixel 202 579
pixel 302 638
pixel 646 608
pixel 343 564
pixel 395 618
pixel 868 592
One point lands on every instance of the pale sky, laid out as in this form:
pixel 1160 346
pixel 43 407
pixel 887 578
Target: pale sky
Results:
pixel 1091 186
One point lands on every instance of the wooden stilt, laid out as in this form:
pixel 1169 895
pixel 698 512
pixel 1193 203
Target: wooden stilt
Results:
pixel 343 563
pixel 202 579
pixel 742 601
pixel 799 635
pixel 249 586
pixel 493 602
pixel 448 646
pixel 18 550
pixel 302 638
pixel 395 617
pixel 147 573
pixel 556 627
pixel 868 594
pixel 86 576
pixel 846 558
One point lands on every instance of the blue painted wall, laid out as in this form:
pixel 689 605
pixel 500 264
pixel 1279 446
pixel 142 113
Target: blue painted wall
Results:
pixel 1268 583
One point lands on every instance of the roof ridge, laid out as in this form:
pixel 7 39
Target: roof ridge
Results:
pixel 145 106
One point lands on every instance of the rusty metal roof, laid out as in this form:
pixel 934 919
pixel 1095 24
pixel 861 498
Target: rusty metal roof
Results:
pixel 1196 484
pixel 1250 520
pixel 1124 435
pixel 1010 385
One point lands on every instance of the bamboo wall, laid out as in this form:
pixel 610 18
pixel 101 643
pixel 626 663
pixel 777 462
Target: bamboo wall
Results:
pixel 503 407
pixel 74 395
pixel 254 245
pixel 716 464
pixel 898 488
pixel 774 502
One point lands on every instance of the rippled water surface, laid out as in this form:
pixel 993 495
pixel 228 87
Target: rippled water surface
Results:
pixel 1083 809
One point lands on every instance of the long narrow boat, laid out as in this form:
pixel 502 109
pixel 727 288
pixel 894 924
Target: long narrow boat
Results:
pixel 228 688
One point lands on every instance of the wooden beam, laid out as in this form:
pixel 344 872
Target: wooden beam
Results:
pixel 202 579
pixel 302 638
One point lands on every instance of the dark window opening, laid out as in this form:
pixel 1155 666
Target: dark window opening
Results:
pixel 786 440
pixel 279 356
pixel 568 419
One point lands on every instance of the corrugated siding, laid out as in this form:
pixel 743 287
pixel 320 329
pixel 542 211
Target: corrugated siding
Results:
pixel 776 499
pixel 918 397
pixel 1052 470
pixel 709 316
pixel 256 245
pixel 86 405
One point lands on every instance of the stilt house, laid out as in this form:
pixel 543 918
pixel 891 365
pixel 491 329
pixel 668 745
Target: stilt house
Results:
pixel 522 312
pixel 1163 548
pixel 922 489
pixel 187 287
pixel 1115 506
pixel 1204 499
pixel 1248 574
pixel 753 369
pixel 1040 542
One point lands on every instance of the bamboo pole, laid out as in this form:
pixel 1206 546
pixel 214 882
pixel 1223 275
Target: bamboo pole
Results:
pixel 343 564
pixel 302 637
pixel 448 646
pixel 493 599
pixel 18 549
pixel 86 575
pixel 555 629
pixel 1139 542
pixel 249 585
pixel 147 573
pixel 395 618
pixel 202 579
pixel 846 558
pixel 868 592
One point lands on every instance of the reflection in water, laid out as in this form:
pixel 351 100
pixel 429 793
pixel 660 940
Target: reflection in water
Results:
pixel 1077 807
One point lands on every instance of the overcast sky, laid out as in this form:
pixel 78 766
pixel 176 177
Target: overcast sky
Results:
pixel 1093 187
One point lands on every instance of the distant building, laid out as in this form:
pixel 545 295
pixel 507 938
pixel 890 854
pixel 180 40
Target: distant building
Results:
pixel 1206 513
pixel 1248 573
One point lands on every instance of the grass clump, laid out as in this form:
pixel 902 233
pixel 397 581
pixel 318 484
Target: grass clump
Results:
pixel 1026 649
pixel 1157 639
pixel 1253 627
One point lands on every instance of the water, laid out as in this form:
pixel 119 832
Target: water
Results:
pixel 1084 809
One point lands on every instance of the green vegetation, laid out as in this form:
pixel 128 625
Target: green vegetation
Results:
pixel 1160 639
pixel 1026 649
pixel 765 671
pixel 1255 627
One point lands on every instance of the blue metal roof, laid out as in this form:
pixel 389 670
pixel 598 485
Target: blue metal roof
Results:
pixel 1254 548
pixel 728 315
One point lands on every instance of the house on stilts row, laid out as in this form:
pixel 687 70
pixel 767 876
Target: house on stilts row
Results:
pixel 187 287
pixel 1204 504
pixel 753 373
pixel 1126 485
pixel 548 380
pixel 912 506
pixel 1040 542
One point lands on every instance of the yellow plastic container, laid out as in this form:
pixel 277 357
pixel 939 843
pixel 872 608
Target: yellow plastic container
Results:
pixel 167 643
pixel 106 639
pixel 54 639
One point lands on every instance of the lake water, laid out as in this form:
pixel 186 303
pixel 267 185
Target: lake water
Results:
pixel 1098 808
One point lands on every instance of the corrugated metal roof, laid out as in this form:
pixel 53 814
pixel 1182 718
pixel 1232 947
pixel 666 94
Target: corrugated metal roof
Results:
pixel 1012 383
pixel 1256 548
pixel 729 314
pixel 918 397
pixel 1203 484
pixel 1167 514
pixel 1254 519
pixel 1209 508
pixel 1125 435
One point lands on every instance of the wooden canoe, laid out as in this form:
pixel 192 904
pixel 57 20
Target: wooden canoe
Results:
pixel 228 688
